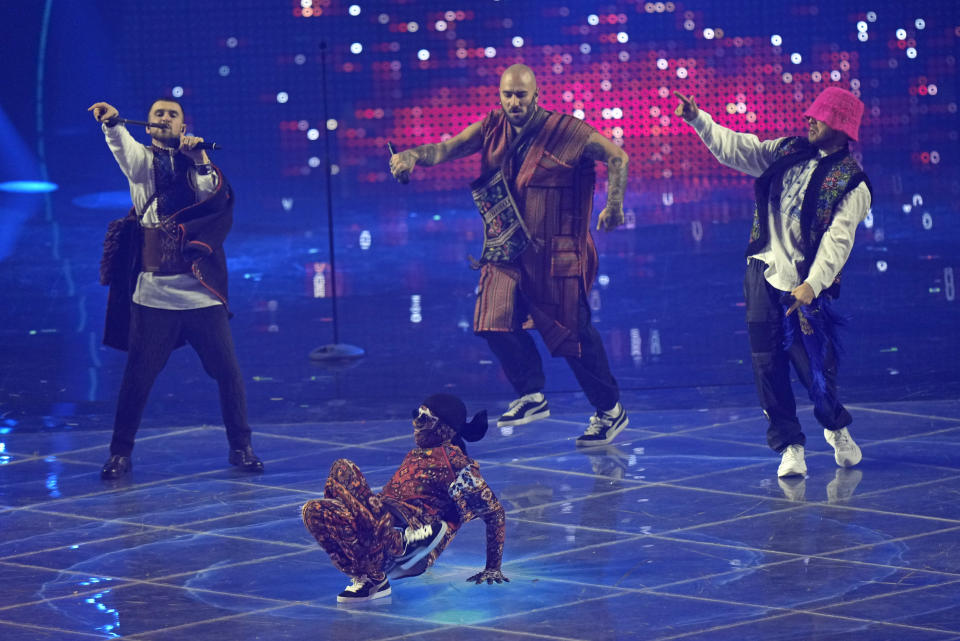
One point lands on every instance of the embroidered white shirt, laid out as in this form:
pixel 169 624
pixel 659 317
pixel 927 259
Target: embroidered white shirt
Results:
pixel 176 291
pixel 750 155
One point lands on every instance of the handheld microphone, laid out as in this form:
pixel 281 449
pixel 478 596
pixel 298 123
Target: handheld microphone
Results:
pixel 207 145
pixel 404 177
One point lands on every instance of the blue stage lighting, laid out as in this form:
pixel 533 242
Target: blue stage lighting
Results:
pixel 28 186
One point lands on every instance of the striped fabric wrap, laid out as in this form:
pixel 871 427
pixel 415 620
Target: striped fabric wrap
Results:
pixel 553 186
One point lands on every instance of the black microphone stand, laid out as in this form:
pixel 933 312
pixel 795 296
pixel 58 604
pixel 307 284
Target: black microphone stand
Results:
pixel 335 351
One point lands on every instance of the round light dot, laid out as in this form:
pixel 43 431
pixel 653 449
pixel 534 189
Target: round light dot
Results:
pixel 835 76
pixel 861 26
pixel 383 18
pixel 862 36
pixel 354 10
pixel 490 52
pixel 585 48
pixel 932 90
pixel 796 58
pixel 606 85
pixel 303 125
pixel 593 20
pixel 708 33
pixel 314 162
pixel 911 52
pixel 881 265
pixel 306 4
pixel 413 27
pixel 334 169
pixel 604 280
pixel 623 56
pixel 606 114
pixel 871 16
pixel 177 92
pixel 517 41
pixel 332 124
pixel 232 42
pixel 920 23
pixel 282 97
pixel 441 25
pixel 313 134
pixel 224 70
pixel 578 113
pixel 776 40
pixel 901 34
pixel 681 72
pixel 423 54
pixel 617 113
pixel 299 59
pixel 356 47
pixel 689 25
pixel 622 37
pixel 662 64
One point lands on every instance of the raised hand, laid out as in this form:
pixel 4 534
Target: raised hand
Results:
pixel 687 107
pixel 102 111
pixel 402 164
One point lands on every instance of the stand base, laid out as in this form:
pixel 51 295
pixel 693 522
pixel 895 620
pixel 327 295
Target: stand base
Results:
pixel 337 352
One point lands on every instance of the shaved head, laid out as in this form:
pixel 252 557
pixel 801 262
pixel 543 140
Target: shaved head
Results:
pixel 518 94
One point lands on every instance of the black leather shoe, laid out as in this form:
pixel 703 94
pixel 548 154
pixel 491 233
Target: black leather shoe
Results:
pixel 115 467
pixel 246 460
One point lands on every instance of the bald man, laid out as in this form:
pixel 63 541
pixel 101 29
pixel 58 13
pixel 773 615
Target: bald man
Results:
pixel 535 194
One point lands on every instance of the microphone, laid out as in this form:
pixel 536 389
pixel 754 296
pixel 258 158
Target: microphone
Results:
pixel 207 145
pixel 404 177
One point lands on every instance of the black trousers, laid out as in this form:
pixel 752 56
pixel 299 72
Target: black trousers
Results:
pixel 154 334
pixel 523 366
pixel 771 365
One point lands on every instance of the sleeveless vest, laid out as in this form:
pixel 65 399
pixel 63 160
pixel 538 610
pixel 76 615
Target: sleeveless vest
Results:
pixel 835 176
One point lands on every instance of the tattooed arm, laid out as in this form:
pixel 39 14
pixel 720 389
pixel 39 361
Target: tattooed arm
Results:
pixel 469 141
pixel 600 148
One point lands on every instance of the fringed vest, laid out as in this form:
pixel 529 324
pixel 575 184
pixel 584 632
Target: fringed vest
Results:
pixel 835 176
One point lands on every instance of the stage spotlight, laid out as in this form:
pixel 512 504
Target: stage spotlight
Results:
pixel 28 187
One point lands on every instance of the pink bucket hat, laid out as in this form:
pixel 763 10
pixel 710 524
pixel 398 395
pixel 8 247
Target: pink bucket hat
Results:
pixel 838 108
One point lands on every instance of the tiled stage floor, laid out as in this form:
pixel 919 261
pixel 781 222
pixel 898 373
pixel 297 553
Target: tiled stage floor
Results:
pixel 678 530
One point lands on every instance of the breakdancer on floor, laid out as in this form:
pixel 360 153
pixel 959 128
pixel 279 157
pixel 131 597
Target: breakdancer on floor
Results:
pixel 167 273
pixel 539 262
pixel 401 531
pixel 810 196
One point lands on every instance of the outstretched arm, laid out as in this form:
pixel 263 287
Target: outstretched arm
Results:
pixel 600 148
pixel 469 141
pixel 743 152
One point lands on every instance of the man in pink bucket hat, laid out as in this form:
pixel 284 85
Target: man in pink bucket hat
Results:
pixel 810 196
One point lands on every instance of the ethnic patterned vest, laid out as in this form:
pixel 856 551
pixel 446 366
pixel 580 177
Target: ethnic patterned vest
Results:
pixel 834 177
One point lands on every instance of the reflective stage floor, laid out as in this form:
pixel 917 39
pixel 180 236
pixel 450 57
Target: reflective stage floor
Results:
pixel 680 529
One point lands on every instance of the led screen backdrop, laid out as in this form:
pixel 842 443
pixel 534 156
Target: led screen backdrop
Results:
pixel 415 72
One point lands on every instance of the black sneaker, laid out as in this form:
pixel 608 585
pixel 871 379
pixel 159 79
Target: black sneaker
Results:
pixel 526 409
pixel 415 570
pixel 363 589
pixel 418 543
pixel 604 427
pixel 116 467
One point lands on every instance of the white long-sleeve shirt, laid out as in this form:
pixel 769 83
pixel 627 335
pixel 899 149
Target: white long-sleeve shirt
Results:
pixel 176 291
pixel 750 155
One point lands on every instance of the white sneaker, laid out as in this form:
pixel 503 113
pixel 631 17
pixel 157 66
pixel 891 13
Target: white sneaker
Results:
pixel 526 409
pixel 791 462
pixel 845 450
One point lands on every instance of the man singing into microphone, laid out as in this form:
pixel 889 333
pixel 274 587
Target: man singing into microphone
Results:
pixel 167 273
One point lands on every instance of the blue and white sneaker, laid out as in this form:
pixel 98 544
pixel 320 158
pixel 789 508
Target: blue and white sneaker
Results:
pixel 604 427
pixel 526 409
